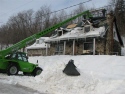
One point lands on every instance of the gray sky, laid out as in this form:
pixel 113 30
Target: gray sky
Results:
pixel 12 7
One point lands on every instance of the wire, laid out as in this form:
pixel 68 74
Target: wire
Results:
pixel 97 9
pixel 56 10
pixel 63 9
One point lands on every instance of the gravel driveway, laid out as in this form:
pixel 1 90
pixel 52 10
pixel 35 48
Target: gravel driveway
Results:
pixel 16 89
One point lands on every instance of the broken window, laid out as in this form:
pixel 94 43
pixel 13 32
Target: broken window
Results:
pixel 86 29
pixel 88 47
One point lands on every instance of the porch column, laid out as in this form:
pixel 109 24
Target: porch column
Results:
pixel 46 49
pixel 64 48
pixel 73 46
pixel 26 50
pixel 94 46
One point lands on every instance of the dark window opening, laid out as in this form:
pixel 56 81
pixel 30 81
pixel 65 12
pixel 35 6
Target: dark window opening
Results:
pixel 88 46
pixel 65 31
pixel 87 29
pixel 59 33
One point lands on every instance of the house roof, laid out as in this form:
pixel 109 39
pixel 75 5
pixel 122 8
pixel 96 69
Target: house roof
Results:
pixel 39 45
pixel 79 33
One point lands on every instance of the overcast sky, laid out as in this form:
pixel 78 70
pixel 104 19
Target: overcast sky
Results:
pixel 12 7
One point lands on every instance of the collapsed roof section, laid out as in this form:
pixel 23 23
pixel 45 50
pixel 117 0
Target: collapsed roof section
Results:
pixel 86 30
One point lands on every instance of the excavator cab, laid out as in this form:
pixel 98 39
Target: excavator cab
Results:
pixel 18 61
pixel 18 55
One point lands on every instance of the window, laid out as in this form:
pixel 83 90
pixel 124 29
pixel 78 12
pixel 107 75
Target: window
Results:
pixel 24 57
pixel 59 49
pixel 88 46
pixel 37 41
pixel 59 33
pixel 87 28
pixel 14 55
pixel 65 31
pixel 19 57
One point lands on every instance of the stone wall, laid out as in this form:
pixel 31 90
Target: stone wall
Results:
pixel 100 46
pixel 78 48
pixel 36 52
pixel 51 50
pixel 69 48
pixel 112 46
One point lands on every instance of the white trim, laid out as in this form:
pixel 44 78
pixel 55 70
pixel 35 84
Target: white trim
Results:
pixel 73 46
pixel 94 46
pixel 64 50
pixel 46 49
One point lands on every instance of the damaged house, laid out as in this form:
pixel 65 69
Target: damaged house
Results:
pixel 90 37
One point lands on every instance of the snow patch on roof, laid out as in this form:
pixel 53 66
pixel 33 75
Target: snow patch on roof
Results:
pixel 78 32
pixel 39 44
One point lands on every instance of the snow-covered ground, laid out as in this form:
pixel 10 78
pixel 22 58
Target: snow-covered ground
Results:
pixel 100 74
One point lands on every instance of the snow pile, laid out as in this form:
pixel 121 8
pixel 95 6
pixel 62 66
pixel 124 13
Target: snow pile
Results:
pixel 100 74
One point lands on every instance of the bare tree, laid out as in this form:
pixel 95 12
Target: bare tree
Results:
pixel 26 23
pixel 42 18
pixel 78 10
pixel 21 25
pixel 62 16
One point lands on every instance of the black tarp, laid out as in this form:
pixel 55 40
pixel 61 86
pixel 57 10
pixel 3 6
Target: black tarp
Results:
pixel 70 69
pixel 118 34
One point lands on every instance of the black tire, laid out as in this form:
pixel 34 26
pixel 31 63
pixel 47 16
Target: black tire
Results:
pixel 12 69
pixel 37 71
pixel 2 71
pixel 27 73
pixel 24 73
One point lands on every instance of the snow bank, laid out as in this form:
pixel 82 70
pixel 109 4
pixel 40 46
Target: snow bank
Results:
pixel 100 74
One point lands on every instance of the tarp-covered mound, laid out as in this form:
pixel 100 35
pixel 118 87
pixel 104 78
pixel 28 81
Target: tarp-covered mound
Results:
pixel 70 69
